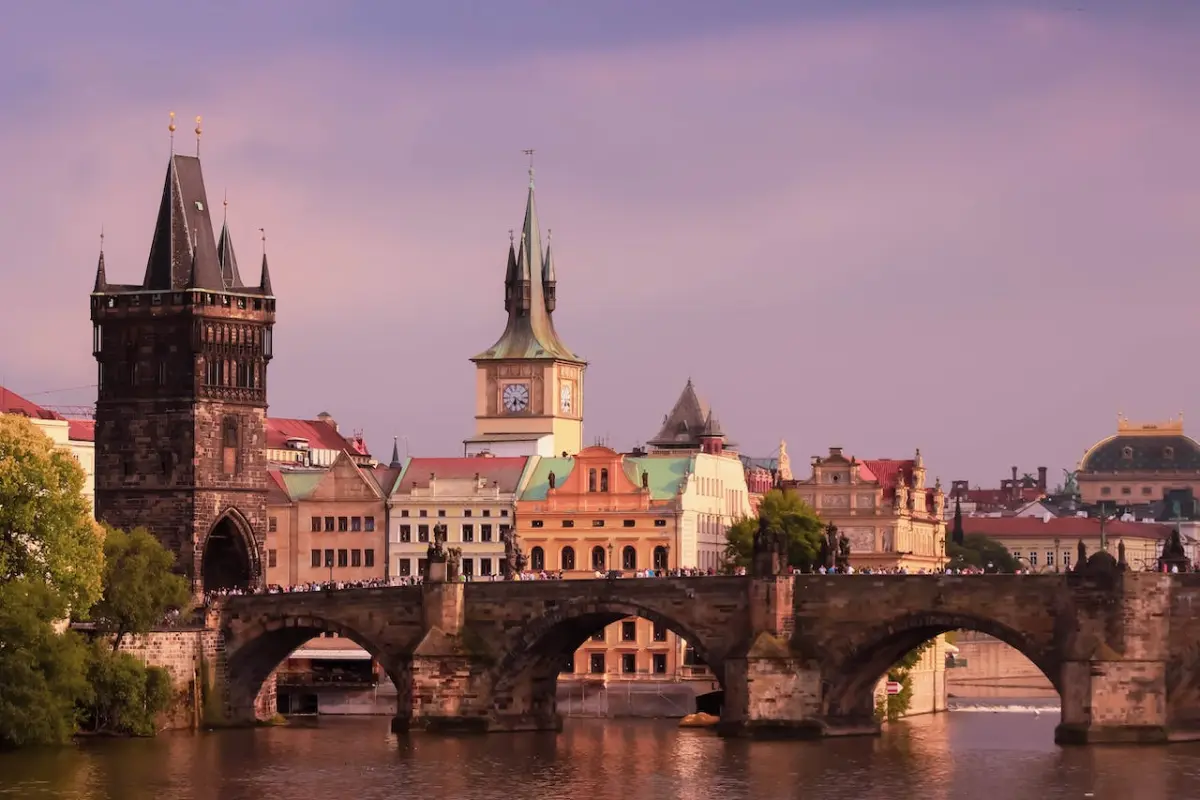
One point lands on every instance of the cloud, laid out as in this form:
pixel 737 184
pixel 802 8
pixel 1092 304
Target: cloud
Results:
pixel 970 232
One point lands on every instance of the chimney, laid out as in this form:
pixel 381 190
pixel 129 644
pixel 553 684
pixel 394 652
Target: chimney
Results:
pixel 1042 478
pixel 837 451
pixel 1014 471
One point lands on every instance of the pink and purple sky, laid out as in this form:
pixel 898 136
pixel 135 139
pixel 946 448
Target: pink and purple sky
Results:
pixel 972 228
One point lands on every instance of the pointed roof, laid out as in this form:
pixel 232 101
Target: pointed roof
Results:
pixel 548 274
pixel 264 283
pixel 530 330
pixel 510 277
pixel 226 258
pixel 712 428
pixel 101 276
pixel 396 462
pixel 687 422
pixel 184 249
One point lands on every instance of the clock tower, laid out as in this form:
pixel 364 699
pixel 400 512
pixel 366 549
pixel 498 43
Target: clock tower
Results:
pixel 528 385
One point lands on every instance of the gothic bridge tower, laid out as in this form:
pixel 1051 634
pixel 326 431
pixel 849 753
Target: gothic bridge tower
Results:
pixel 182 393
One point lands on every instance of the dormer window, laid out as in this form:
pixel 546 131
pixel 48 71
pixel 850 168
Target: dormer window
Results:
pixel 1168 452
pixel 1127 452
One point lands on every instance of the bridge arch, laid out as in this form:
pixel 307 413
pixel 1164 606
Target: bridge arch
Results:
pixel 525 679
pixel 257 649
pixel 851 676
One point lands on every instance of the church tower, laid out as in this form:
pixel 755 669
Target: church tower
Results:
pixel 529 385
pixel 182 393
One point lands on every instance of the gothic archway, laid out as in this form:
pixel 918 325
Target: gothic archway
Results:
pixel 229 560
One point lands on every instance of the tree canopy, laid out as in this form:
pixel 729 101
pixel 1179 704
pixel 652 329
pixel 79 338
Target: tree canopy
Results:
pixel 784 511
pixel 138 584
pixel 979 551
pixel 47 534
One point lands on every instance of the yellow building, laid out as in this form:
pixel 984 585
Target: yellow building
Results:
pixel 882 506
pixel 1140 464
pixel 1051 544
pixel 325 525
pixel 529 385
pixel 77 436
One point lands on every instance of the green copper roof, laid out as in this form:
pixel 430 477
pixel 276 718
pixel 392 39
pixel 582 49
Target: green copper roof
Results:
pixel 539 481
pixel 301 484
pixel 666 474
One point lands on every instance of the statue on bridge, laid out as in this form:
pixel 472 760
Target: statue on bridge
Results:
pixel 843 553
pixel 1174 556
pixel 453 564
pixel 514 559
pixel 436 550
pixel 770 550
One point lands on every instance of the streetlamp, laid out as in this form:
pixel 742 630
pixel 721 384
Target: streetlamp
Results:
pixel 329 563
pixel 667 554
pixel 611 567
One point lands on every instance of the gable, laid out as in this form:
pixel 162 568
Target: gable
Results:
pixel 344 481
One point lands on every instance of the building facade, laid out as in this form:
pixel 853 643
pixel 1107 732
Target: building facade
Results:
pixel 1014 494
pixel 325 525
pixel 529 392
pixel 473 497
pixel 76 436
pixel 883 506
pixel 1051 544
pixel 182 393
pixel 315 443
pixel 1140 464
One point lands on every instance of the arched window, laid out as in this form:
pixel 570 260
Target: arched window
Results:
pixel 568 558
pixel 598 558
pixel 660 558
pixel 229 446
pixel 604 480
pixel 537 559
pixel 591 480
pixel 628 558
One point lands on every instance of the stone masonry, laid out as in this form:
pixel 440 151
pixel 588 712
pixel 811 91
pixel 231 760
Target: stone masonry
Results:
pixel 796 656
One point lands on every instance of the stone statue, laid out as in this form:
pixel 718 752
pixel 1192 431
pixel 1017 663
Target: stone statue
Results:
pixel 453 564
pixel 436 551
pixel 1121 562
pixel 552 480
pixel 829 547
pixel 514 559
pixel 843 554
pixel 769 551
pixel 1082 558
pixel 1173 554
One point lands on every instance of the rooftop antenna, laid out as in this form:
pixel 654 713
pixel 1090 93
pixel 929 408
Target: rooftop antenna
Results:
pixel 198 132
pixel 530 154
pixel 171 129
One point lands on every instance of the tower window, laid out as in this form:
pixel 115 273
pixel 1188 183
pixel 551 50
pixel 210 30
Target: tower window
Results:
pixel 229 446
pixel 591 480
pixel 604 480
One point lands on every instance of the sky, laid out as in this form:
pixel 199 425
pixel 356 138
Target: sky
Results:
pixel 968 228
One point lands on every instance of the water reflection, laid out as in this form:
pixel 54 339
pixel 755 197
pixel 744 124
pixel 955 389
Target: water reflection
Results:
pixel 1001 756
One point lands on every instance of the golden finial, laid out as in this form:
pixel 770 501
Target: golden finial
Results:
pixel 198 132
pixel 171 129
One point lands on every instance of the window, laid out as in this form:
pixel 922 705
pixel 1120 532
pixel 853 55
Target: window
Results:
pixel 343 558
pixel 272 524
pixel 537 559
pixel 504 529
pixel 485 533
pixel 1032 558
pixel 628 558
pixel 229 446
pixel 368 557
pixel 568 558
pixel 466 512
pixel 1126 490
pixel 485 566
pixel 1066 560
pixel 629 663
pixel 591 480
pixel 1147 491
pixel 568 523
pixel 596 663
pixel 468 533
pixel 660 632
pixel 629 523
pixel 343 524
pixel 1049 558
pixel 504 512
pixel 271 559
pixel 660 663
pixel 604 480
pixel 468 567
pixel 441 512
pixel 329 524
pixel 356 558
pixel 660 523
pixel 629 630
pixel 421 565
pixel 537 523
pixel 423 513
pixel 660 558
pixel 598 636
pixel 487 512
pixel 316 558
pixel 1105 490
pixel 405 567
pixel 404 512
pixel 691 658
pixel 356 524
pixel 598 558
pixel 406 533
pixel 328 558
pixel 597 523
pixel 422 533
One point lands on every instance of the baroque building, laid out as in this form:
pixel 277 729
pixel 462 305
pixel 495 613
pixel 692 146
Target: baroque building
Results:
pixel 529 396
pixel 182 392
pixel 882 506
pixel 1140 464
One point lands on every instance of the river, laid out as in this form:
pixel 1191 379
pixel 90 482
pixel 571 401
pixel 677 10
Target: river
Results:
pixel 997 756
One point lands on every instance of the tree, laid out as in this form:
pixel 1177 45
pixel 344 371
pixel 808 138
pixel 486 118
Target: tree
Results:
pixel 978 551
pixel 139 586
pixel 126 696
pixel 42 671
pixel 47 534
pixel 787 512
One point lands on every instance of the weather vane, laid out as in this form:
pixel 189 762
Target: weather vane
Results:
pixel 530 154
pixel 198 132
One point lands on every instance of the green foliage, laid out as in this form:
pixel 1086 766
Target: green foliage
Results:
pixel 978 551
pixel 126 694
pixel 42 671
pixel 784 511
pixel 139 586
pixel 47 534
pixel 893 706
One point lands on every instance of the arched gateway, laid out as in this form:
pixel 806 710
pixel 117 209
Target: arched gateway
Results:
pixel 796 656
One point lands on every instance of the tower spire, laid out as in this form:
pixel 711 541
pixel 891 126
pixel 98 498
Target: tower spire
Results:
pixel 549 280
pixel 230 276
pixel 396 462
pixel 264 283
pixel 101 278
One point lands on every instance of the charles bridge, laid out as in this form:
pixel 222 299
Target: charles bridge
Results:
pixel 795 655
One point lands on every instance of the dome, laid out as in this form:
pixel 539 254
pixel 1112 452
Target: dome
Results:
pixel 1150 447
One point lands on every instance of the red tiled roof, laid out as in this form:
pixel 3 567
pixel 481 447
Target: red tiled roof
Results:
pixel 277 493
pixel 886 470
pixel 320 435
pixel 1063 527
pixel 81 430
pixel 13 403
pixel 505 471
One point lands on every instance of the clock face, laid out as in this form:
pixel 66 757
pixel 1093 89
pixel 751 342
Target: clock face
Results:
pixel 515 397
pixel 565 395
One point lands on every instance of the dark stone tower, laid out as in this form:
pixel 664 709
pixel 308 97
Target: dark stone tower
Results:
pixel 182 399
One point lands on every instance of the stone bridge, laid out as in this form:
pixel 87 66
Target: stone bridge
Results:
pixel 795 655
